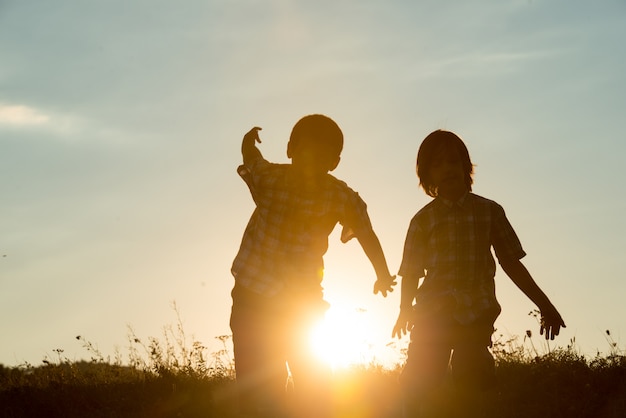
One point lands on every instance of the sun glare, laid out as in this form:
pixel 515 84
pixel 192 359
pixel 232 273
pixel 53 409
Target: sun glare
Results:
pixel 341 339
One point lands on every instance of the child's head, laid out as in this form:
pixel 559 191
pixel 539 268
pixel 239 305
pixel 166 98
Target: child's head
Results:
pixel 443 150
pixel 316 140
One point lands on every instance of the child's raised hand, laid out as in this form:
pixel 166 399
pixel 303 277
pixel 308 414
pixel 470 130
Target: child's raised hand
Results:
pixel 248 146
pixel 404 323
pixel 253 135
pixel 551 322
pixel 385 285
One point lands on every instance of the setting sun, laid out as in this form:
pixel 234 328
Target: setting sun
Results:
pixel 342 338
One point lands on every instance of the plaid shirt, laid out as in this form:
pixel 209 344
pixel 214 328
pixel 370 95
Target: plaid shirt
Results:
pixel 449 244
pixel 287 234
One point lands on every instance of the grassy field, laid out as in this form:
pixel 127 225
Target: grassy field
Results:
pixel 172 377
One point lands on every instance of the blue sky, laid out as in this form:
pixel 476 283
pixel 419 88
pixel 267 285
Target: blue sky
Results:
pixel 120 129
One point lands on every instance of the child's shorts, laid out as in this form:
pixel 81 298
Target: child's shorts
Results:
pixel 437 347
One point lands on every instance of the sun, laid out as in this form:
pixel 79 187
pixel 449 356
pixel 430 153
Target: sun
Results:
pixel 341 339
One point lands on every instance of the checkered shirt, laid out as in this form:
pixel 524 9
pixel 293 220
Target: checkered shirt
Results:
pixel 449 244
pixel 287 235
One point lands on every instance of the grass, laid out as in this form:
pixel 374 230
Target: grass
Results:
pixel 558 382
pixel 174 376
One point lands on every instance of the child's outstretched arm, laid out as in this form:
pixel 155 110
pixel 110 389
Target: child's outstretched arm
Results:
pixel 248 146
pixel 374 252
pixel 551 321
pixel 404 323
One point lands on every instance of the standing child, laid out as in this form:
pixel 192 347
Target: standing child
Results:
pixel 278 270
pixel 448 244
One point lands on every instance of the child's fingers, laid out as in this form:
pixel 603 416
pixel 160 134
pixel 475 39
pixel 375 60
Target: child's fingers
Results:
pixel 383 288
pixel 399 331
pixel 254 133
pixel 551 331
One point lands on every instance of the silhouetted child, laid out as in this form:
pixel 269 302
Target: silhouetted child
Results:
pixel 448 244
pixel 278 270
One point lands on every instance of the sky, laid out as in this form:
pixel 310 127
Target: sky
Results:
pixel 120 133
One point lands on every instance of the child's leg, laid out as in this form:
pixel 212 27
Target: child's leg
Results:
pixel 473 372
pixel 259 360
pixel 424 374
pixel 473 366
pixel 312 388
pixel 312 378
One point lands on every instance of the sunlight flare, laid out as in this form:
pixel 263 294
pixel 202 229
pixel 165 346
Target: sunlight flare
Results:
pixel 342 339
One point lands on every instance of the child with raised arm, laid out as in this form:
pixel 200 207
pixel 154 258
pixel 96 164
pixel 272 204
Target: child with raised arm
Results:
pixel 278 270
pixel 449 244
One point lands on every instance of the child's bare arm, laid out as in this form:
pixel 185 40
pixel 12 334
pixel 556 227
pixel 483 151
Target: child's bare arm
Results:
pixel 408 289
pixel 404 323
pixel 248 146
pixel 551 321
pixel 374 252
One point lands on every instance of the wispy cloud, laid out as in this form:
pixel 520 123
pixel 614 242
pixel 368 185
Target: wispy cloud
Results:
pixel 20 115
pixel 481 63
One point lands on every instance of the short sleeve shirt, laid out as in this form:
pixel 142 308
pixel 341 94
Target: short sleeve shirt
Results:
pixel 449 244
pixel 287 235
